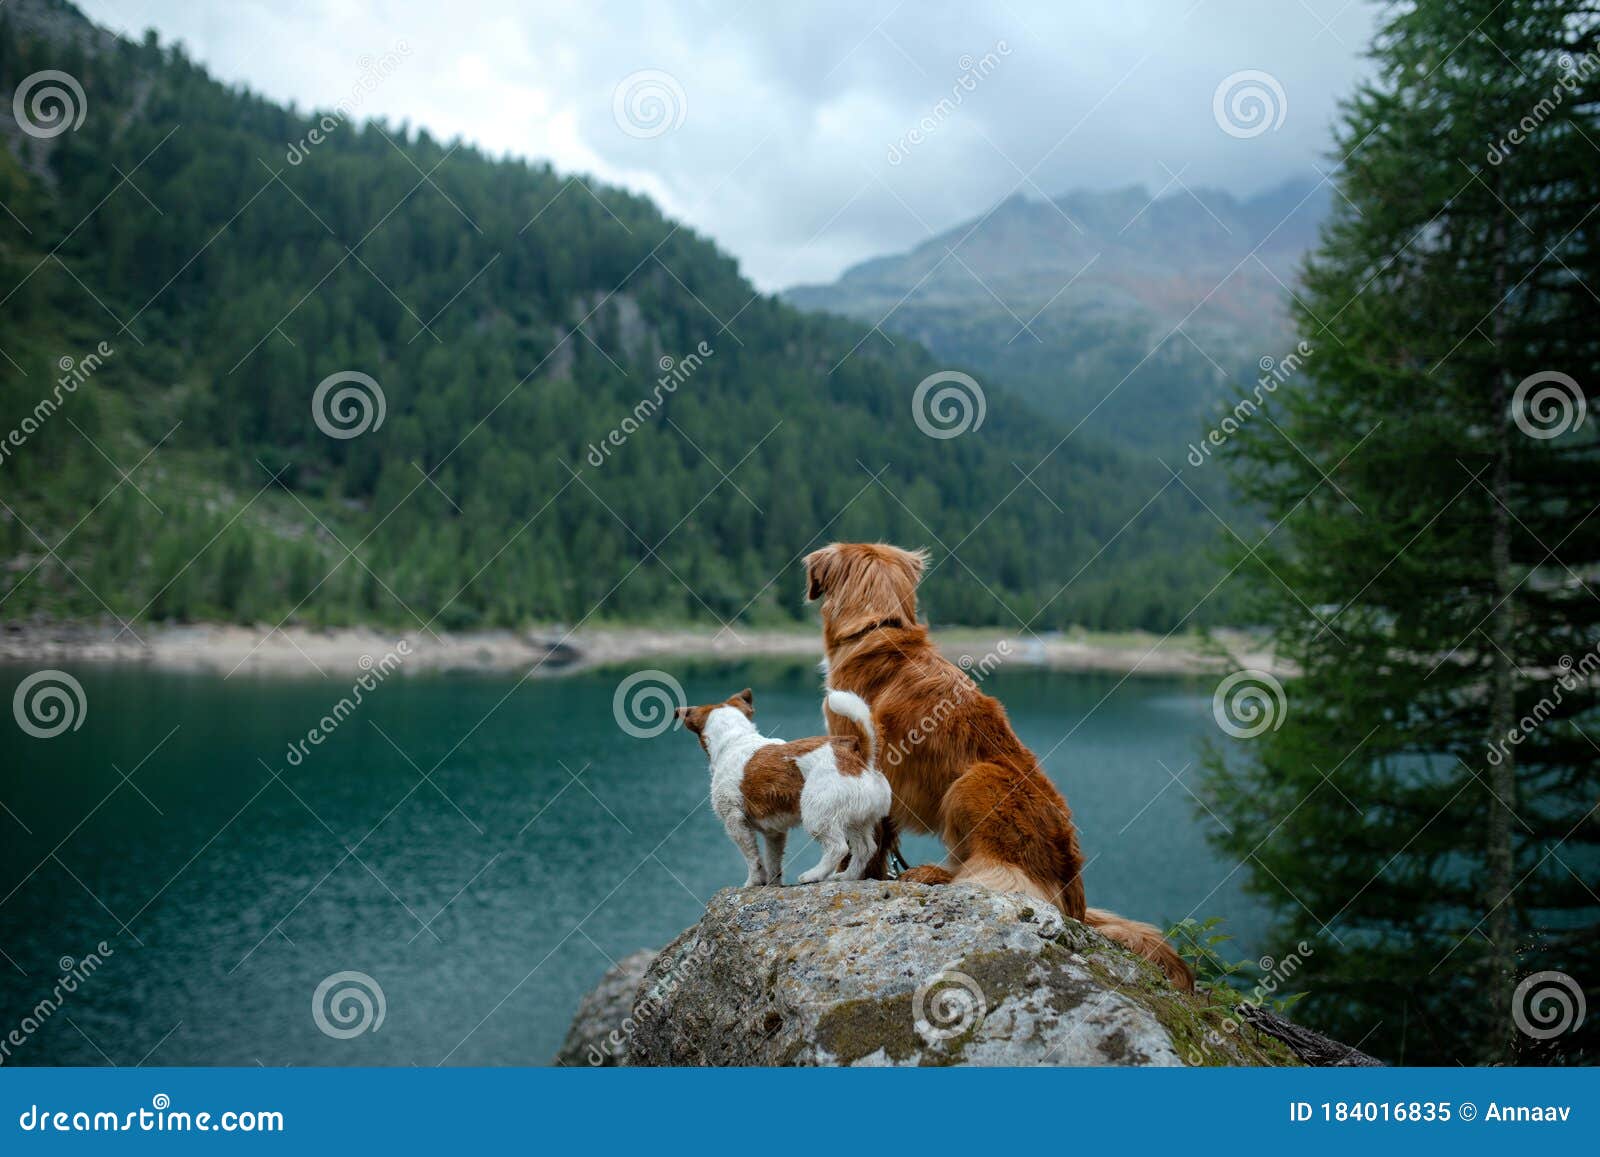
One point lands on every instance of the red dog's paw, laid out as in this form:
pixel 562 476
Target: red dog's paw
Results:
pixel 926 874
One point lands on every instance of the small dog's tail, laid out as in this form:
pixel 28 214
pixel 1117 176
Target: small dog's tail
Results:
pixel 1145 940
pixel 854 708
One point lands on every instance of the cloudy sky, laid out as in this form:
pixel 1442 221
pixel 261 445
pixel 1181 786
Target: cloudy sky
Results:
pixel 806 137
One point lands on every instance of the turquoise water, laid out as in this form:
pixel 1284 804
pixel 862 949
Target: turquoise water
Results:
pixel 483 899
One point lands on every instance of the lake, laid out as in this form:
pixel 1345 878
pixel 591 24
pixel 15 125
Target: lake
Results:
pixel 481 849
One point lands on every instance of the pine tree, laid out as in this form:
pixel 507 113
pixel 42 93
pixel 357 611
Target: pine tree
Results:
pixel 1424 812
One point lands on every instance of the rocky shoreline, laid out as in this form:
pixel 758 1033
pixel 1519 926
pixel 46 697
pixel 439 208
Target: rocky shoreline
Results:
pixel 298 651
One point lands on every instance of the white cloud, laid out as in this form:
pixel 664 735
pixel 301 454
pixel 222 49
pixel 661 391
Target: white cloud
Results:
pixel 782 155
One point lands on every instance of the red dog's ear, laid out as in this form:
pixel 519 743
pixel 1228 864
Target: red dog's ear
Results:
pixel 748 696
pixel 818 565
pixel 681 713
pixel 915 561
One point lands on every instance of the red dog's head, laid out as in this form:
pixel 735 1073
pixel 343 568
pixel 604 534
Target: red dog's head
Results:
pixel 864 585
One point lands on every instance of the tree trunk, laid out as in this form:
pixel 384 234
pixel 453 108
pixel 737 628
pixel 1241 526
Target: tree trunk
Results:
pixel 1501 857
pixel 1311 1047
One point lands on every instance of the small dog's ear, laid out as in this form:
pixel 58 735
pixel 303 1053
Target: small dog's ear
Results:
pixel 681 713
pixel 818 564
pixel 748 696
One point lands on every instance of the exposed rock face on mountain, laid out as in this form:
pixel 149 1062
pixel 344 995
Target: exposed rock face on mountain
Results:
pixel 900 974
pixel 61 23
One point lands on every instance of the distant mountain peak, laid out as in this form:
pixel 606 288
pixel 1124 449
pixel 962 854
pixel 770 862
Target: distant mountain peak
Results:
pixel 1150 299
pixel 1024 250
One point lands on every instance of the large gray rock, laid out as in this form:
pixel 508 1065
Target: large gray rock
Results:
pixel 602 1032
pixel 905 974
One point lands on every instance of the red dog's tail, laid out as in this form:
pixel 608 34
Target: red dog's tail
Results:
pixel 1144 939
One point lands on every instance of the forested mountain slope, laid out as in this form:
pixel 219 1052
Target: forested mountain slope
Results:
pixel 183 269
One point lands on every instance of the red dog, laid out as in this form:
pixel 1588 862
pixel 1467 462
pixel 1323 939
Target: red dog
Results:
pixel 956 767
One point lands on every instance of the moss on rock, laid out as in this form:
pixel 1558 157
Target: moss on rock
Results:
pixel 907 974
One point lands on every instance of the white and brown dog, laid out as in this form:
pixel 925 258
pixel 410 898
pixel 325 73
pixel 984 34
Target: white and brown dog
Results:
pixel 828 784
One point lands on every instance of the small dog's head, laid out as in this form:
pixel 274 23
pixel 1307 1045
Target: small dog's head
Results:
pixel 694 718
pixel 863 585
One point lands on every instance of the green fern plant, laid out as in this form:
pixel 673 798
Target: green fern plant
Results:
pixel 1200 943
